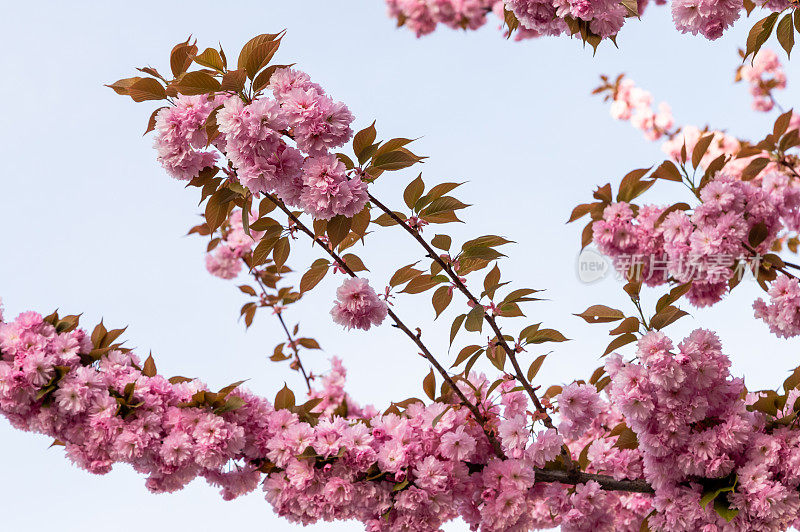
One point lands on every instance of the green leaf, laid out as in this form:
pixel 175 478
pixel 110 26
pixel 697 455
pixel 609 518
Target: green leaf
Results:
pixel 546 335
pixel 488 241
pixel 481 252
pixel 723 508
pixel 474 322
pixel 465 353
pixel 421 283
pixel 338 228
pixel 442 242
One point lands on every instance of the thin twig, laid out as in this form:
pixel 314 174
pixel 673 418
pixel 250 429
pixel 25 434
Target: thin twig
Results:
pixel 286 330
pixel 398 323
pixel 454 277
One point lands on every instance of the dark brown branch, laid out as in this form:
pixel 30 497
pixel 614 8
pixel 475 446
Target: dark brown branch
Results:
pixel 398 323
pixel 511 353
pixel 606 482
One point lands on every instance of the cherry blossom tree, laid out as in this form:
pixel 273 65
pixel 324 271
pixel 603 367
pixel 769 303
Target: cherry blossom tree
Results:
pixel 595 21
pixel 666 440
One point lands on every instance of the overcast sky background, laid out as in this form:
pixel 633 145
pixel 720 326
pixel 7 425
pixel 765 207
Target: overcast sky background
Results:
pixel 92 224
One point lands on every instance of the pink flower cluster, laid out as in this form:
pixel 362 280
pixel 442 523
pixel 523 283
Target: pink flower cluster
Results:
pixel 358 306
pixel 327 191
pixel 696 433
pixel 578 406
pixel 254 137
pixel 546 17
pixel 763 75
pixel 635 104
pixel 224 261
pixel 707 246
pixel 422 16
pixel 721 144
pixel 181 140
pixel 709 18
pixel 332 394
pixel 631 103
pixel 782 313
pixel 391 472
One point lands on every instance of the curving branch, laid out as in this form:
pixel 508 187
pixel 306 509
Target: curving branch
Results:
pixel 511 353
pixel 398 323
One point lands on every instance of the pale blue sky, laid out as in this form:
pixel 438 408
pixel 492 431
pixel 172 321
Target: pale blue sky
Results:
pixel 92 224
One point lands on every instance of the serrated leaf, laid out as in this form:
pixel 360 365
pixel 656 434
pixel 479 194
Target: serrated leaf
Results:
pixel 146 89
pixel 465 353
pixel 421 283
pixel 284 399
pixel 618 342
pixel 667 315
pixel 257 52
pixel 601 314
pixel 354 262
pixel 441 299
pixel 454 328
pixel 668 171
pixel 700 148
pixel 785 33
pixel 313 276
pixel 210 58
pixel 536 365
pixel 194 83
pixel 404 274
pixel 363 139
pixel 429 385
pixel 395 160
pixel 338 228
pixel 546 335
pixel 628 325
pixel 442 242
pixel 474 321
pixel 149 368
pixel 281 251
pixel 758 234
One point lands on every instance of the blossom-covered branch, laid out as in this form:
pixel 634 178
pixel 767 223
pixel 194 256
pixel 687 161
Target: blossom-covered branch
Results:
pixel 596 20
pixel 669 440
